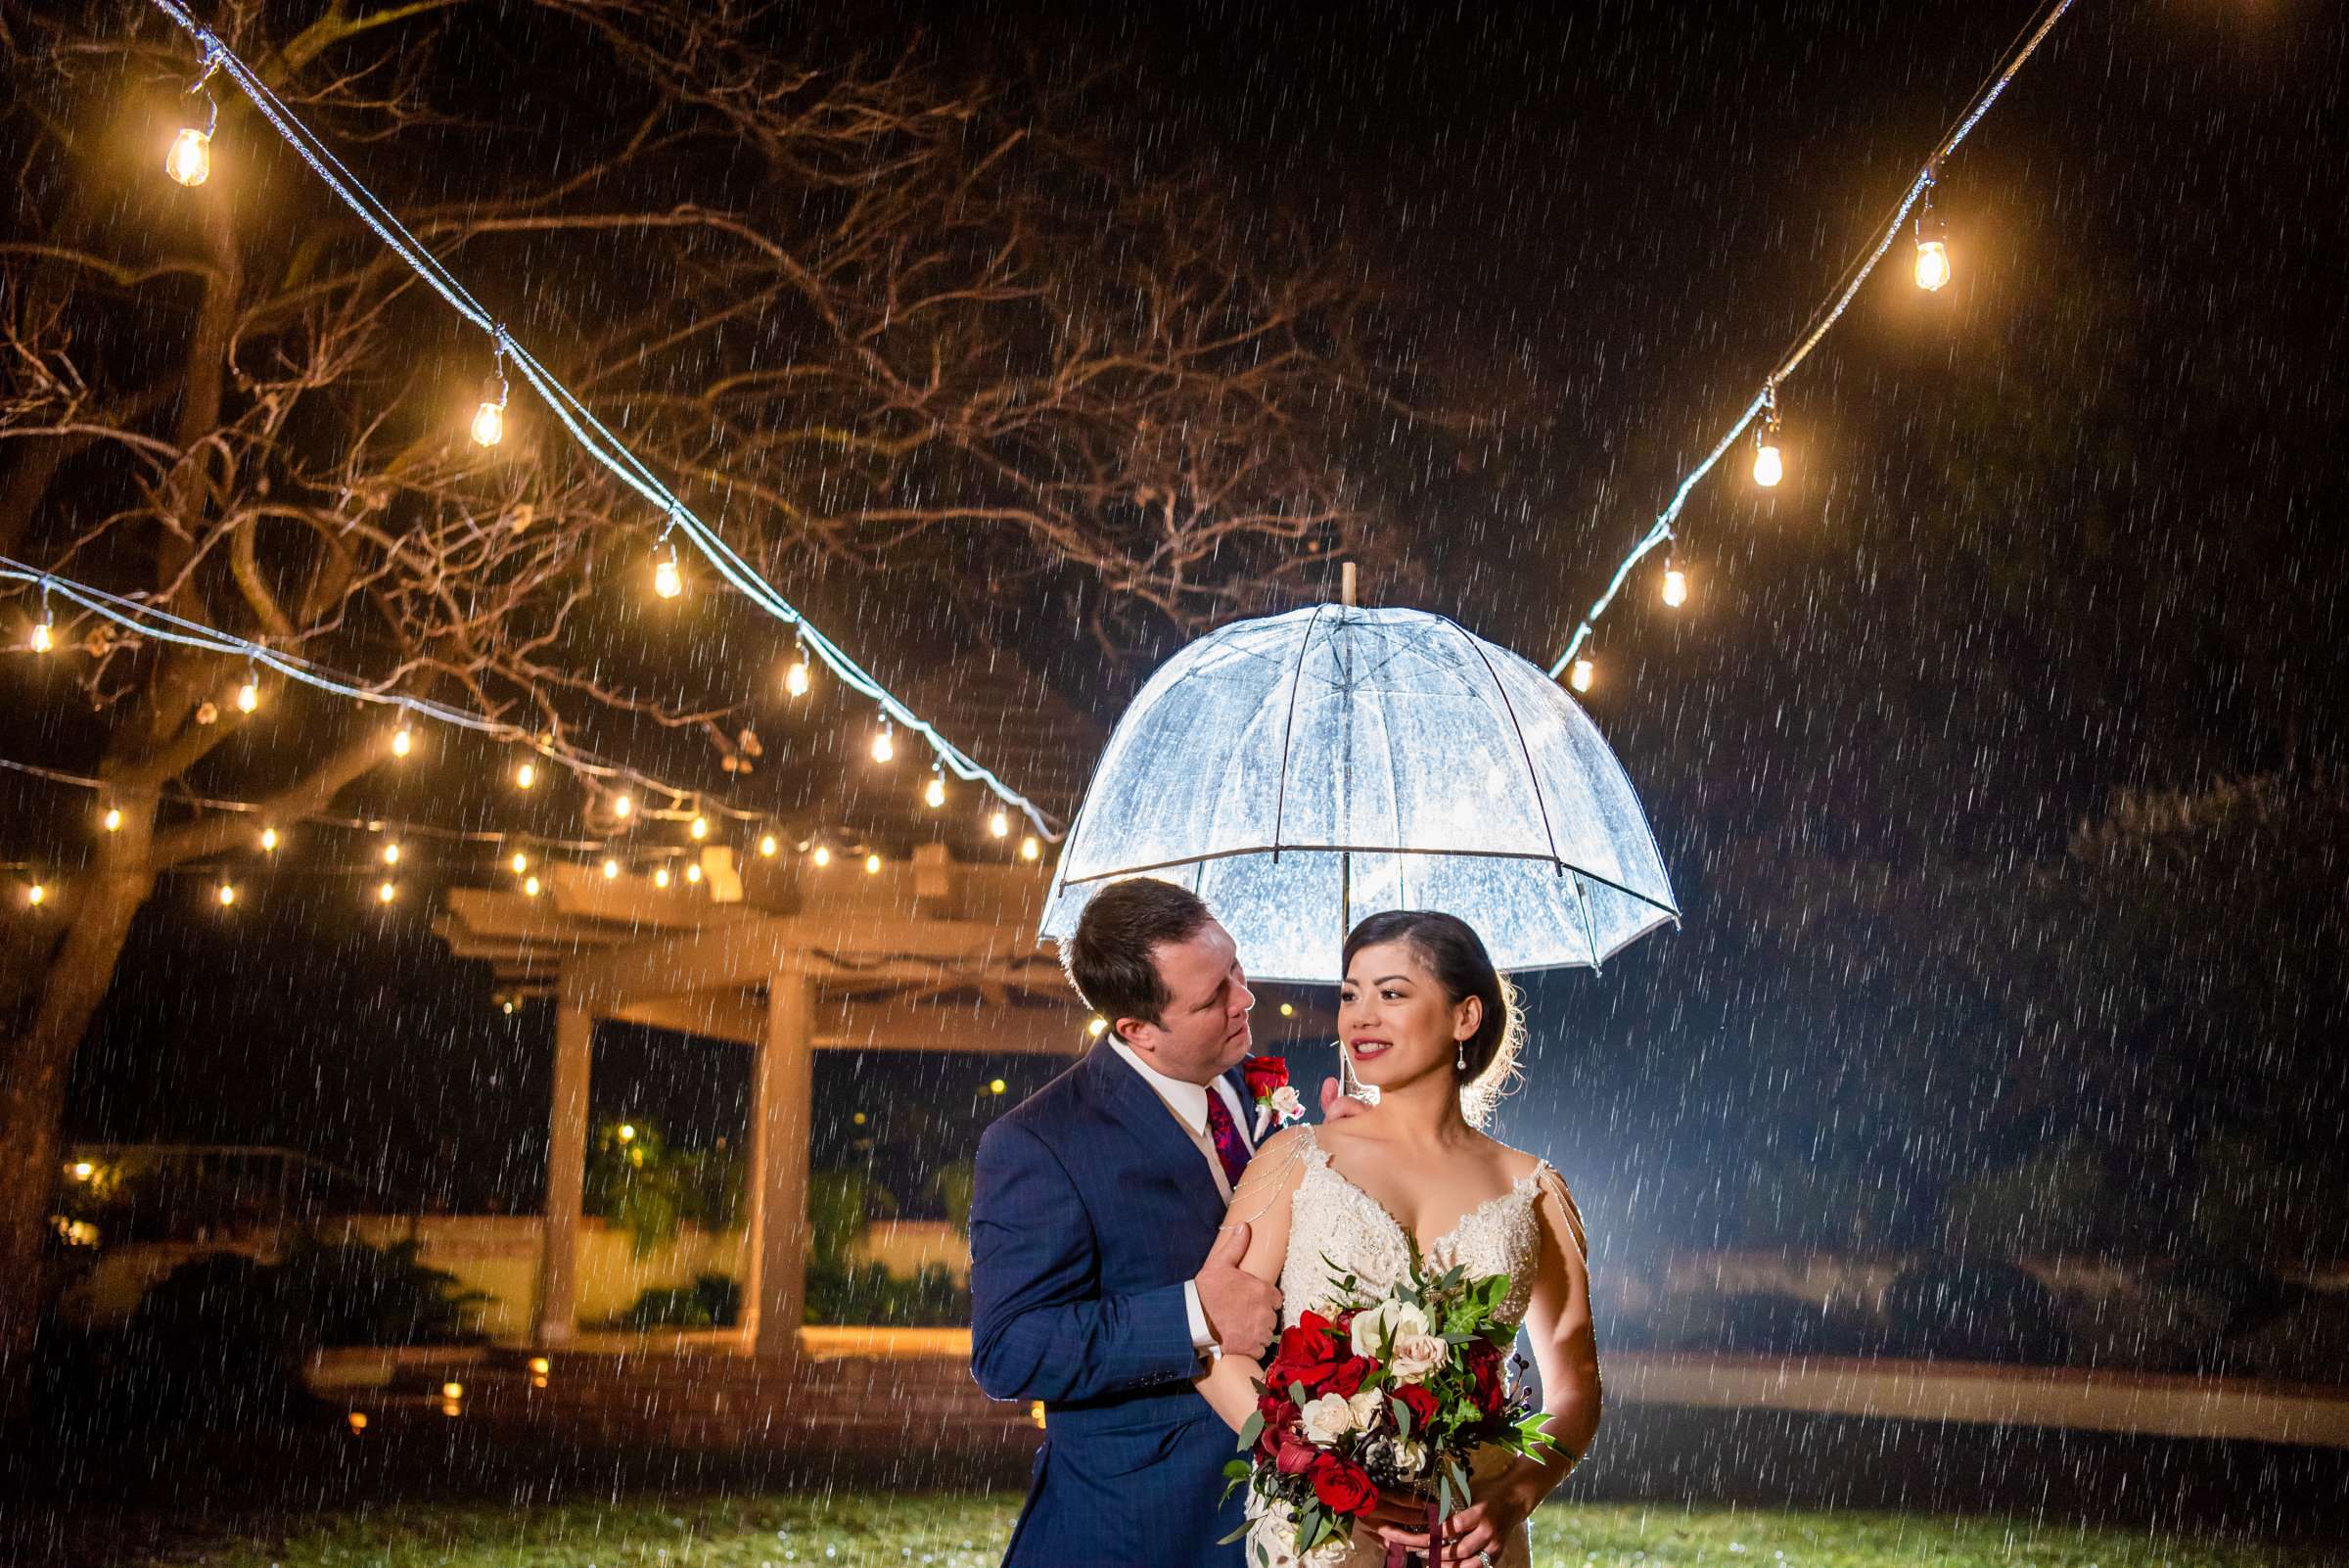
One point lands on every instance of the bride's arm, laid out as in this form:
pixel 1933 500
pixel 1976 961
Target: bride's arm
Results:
pixel 1260 1203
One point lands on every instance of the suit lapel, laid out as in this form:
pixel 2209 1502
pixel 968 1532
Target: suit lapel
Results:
pixel 1155 1123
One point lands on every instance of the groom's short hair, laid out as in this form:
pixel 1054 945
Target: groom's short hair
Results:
pixel 1109 959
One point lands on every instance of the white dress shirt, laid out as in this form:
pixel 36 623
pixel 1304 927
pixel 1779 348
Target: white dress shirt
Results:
pixel 1190 1101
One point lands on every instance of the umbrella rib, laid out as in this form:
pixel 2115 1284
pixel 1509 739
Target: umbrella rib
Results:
pixel 1523 750
pixel 1376 849
pixel 1288 732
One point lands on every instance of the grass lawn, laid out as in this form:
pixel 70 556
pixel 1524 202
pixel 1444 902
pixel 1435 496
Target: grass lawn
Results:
pixel 966 1530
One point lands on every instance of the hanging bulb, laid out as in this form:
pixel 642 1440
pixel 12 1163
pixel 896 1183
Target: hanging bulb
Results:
pixel 795 679
pixel 699 828
pixel 885 746
pixel 387 892
pixel 610 869
pixel 872 865
pixel 403 740
pixel 113 819
pixel 1769 465
pixel 489 423
pixel 1676 586
pixel 768 844
pixel 936 795
pixel 268 841
pixel 189 160
pixel 667 581
pixel 660 877
pixel 248 697
pixel 999 825
pixel 624 805
pixel 392 852
pixel 525 775
pixel 1932 265
pixel 227 894
pixel 693 874
pixel 44 636
pixel 1581 675
pixel 1029 848
pixel 822 855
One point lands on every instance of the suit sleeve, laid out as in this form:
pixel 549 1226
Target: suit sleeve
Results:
pixel 1040 1327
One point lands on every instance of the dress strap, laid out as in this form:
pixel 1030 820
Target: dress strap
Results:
pixel 1266 1182
pixel 1546 1177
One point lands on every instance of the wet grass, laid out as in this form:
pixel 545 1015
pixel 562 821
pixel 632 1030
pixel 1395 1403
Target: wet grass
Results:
pixel 966 1530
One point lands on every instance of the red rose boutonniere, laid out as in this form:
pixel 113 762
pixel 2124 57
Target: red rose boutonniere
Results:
pixel 1276 1103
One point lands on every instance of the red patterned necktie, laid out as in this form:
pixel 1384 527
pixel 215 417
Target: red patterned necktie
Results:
pixel 1225 1135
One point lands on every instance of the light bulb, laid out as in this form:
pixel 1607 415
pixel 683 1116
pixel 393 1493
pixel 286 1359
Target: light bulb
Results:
pixel 693 875
pixel 269 840
pixel 822 855
pixel 391 853
pixel 767 844
pixel 1580 676
pixel 113 819
pixel 1932 264
pixel 488 423
pixel 667 581
pixel 627 1132
pixel 248 697
pixel 45 636
pixel 403 740
pixel 995 1086
pixel 529 887
pixel 1768 466
pixel 1097 1028
pixel 189 160
pixel 660 877
pixel 521 862
pixel 699 828
pixel 525 775
pixel 999 825
pixel 884 746
pixel 623 804
pixel 795 679
pixel 872 865
pixel 1675 587
pixel 227 894
pixel 1028 849
pixel 387 892
pixel 611 870
pixel 936 795
pixel 36 894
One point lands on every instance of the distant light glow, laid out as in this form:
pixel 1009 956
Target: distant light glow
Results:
pixel 227 894
pixel 529 887
pixel 822 855
pixel 36 894
pixel 1029 848
pixel 392 852
pixel 999 825
pixel 768 844
pixel 389 892
pixel 872 865
pixel 521 862
pixel 269 840
pixel 693 875
pixel 525 775
pixel 113 819
pixel 610 869
pixel 624 805
pixel 661 876
pixel 699 827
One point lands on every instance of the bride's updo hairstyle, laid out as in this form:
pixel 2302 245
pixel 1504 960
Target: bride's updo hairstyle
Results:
pixel 1455 955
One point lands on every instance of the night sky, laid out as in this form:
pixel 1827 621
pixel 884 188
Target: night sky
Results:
pixel 2070 526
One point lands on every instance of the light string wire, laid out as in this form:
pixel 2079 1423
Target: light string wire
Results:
pixel 152 621
pixel 592 436
pixel 1816 329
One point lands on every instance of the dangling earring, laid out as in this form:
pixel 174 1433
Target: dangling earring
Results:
pixel 1459 1062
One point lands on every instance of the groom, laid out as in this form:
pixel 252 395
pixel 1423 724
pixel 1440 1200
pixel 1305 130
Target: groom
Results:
pixel 1098 1283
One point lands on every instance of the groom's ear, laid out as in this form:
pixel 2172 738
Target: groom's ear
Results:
pixel 1132 1031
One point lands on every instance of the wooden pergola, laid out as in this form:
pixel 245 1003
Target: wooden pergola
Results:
pixel 783 957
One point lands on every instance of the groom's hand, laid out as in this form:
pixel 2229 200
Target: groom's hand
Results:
pixel 1336 1103
pixel 1243 1311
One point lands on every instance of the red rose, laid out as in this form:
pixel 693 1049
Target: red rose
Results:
pixel 1420 1402
pixel 1492 1390
pixel 1343 1485
pixel 1295 1455
pixel 1307 1355
pixel 1345 1378
pixel 1265 1073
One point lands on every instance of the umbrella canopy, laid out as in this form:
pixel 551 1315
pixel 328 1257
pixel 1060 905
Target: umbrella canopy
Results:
pixel 1302 771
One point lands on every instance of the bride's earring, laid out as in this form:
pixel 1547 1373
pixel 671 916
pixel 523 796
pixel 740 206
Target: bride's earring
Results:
pixel 1459 1062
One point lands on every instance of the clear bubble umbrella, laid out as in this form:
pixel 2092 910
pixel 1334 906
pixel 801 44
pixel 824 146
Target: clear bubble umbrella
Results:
pixel 1302 771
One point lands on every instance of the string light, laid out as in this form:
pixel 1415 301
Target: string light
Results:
pixel 935 796
pixel 661 876
pixel 387 892
pixel 795 679
pixel 624 805
pixel 529 887
pixel 36 894
pixel 44 636
pixel 190 159
pixel 667 581
pixel 392 852
pixel 699 827
pixel 822 855
pixel 227 894
pixel 693 874
pixel 872 865
pixel 768 844
pixel 1030 849
pixel 526 775
pixel 610 869
pixel 1676 586
pixel 403 740
pixel 113 819
pixel 884 746
pixel 999 825
pixel 521 862
pixel 1769 465
pixel 249 695
pixel 269 840
pixel 490 420
pixel 1932 246
pixel 1582 675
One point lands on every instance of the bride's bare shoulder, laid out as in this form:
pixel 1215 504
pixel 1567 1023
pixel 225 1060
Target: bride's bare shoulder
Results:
pixel 1515 1163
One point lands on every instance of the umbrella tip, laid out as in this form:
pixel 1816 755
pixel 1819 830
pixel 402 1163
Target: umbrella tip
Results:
pixel 1347 574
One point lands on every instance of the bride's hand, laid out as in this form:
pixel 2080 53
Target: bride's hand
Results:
pixel 1484 1526
pixel 1336 1103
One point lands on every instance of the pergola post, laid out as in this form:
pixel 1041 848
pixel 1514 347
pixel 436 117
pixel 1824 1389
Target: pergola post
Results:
pixel 565 1175
pixel 781 1126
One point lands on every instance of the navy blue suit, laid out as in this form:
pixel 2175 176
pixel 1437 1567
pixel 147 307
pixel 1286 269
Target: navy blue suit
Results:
pixel 1092 1211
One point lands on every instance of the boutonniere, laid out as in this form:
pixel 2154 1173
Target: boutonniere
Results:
pixel 1268 1085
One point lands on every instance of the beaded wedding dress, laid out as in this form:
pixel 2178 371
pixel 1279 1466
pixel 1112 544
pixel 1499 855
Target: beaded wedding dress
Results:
pixel 1336 1229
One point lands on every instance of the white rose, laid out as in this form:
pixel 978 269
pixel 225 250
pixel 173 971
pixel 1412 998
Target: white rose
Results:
pixel 1365 1406
pixel 1287 1105
pixel 1273 1541
pixel 1385 1324
pixel 1410 1458
pixel 1327 1418
pixel 1415 1356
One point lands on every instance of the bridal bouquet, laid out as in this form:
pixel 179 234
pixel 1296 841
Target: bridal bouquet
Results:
pixel 1389 1394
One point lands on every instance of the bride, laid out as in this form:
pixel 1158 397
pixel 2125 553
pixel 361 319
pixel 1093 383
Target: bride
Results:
pixel 1425 1020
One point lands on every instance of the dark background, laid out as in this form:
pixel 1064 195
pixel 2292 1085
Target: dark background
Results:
pixel 2067 529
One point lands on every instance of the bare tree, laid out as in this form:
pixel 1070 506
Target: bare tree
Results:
pixel 879 316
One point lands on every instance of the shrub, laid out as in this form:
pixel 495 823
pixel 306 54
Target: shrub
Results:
pixel 1968 1310
pixel 713 1300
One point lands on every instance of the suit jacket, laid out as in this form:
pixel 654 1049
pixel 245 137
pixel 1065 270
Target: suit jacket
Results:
pixel 1092 1210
